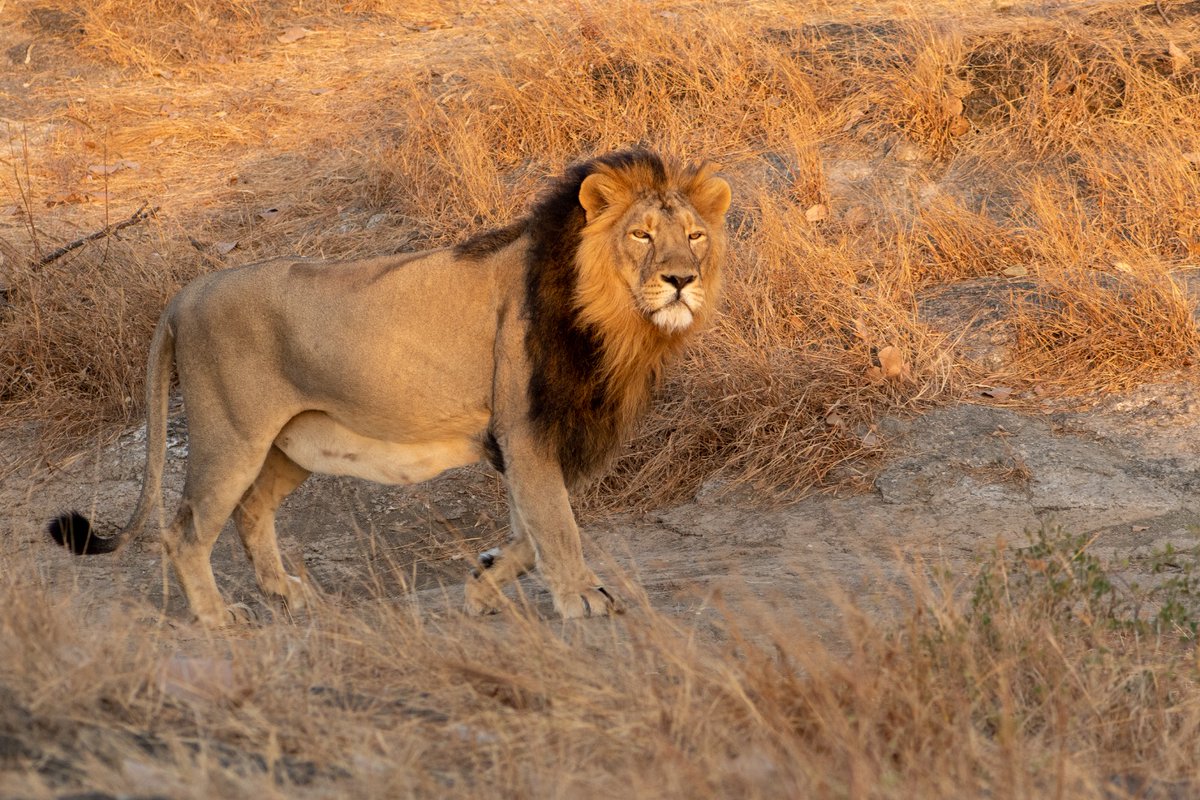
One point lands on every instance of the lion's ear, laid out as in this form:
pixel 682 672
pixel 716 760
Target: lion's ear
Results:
pixel 595 194
pixel 711 198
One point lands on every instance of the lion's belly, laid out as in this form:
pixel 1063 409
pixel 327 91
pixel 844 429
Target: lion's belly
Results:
pixel 319 443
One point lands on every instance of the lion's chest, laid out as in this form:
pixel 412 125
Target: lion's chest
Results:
pixel 319 443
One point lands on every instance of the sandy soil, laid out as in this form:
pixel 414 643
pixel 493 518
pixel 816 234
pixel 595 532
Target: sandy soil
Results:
pixel 956 481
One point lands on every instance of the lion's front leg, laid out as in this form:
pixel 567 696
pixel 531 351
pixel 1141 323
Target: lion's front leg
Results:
pixel 541 506
pixel 486 584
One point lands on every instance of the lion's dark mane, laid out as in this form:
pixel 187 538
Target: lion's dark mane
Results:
pixel 569 400
pixel 571 405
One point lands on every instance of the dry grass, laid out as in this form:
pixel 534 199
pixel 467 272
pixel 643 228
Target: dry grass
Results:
pixel 943 147
pixel 1026 690
pixel 945 140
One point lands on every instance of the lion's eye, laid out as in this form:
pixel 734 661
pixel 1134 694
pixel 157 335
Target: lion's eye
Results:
pixel 694 235
pixel 640 235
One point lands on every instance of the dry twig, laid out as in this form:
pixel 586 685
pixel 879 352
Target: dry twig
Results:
pixel 108 230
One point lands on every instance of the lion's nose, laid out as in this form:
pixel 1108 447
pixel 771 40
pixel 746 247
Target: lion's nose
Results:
pixel 678 280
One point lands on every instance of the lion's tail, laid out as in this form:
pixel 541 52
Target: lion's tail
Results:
pixel 74 530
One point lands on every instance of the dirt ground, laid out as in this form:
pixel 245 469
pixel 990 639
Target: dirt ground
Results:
pixel 955 481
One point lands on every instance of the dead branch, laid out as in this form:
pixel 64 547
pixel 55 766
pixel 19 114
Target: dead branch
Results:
pixel 139 215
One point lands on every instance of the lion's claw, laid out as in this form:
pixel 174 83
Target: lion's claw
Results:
pixel 594 602
pixel 240 614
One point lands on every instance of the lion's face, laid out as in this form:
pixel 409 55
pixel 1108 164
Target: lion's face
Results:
pixel 653 245
pixel 663 243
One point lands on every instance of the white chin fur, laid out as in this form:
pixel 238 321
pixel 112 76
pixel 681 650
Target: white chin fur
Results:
pixel 673 318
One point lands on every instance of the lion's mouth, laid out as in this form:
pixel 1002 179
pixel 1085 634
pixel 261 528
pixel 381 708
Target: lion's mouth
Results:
pixel 674 317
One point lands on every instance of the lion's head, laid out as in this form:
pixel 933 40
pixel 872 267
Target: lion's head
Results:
pixel 652 248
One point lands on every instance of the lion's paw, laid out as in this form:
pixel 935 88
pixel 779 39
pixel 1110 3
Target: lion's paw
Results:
pixel 293 598
pixel 594 602
pixel 483 595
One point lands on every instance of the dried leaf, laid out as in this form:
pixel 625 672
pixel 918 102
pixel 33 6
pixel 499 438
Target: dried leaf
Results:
pixel 1179 59
pixel 952 106
pixel 875 374
pixel 64 198
pixel 224 247
pixel 293 34
pixel 109 169
pixel 855 116
pixel 1016 271
pixel 891 361
pixel 860 329
pixel 817 213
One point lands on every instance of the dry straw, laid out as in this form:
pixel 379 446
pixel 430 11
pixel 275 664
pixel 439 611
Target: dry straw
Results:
pixel 878 153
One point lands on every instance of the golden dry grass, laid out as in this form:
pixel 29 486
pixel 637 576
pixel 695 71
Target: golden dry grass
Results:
pixel 943 141
pixel 942 144
pixel 1028 691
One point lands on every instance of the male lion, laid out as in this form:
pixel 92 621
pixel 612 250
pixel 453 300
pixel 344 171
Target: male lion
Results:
pixel 534 346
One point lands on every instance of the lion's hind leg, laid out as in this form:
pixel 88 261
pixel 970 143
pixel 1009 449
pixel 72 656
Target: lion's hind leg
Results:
pixel 216 480
pixel 255 521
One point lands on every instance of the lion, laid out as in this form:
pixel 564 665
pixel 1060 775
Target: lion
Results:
pixel 534 347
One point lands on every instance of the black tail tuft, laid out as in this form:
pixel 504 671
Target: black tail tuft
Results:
pixel 74 531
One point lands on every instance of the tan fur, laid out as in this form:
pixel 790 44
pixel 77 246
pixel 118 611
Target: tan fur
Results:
pixel 395 368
